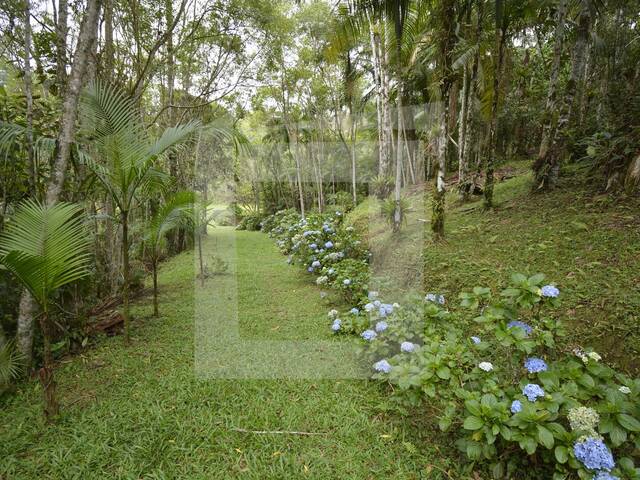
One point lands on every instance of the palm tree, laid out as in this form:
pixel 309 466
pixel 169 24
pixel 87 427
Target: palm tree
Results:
pixel 122 156
pixel 46 247
pixel 174 213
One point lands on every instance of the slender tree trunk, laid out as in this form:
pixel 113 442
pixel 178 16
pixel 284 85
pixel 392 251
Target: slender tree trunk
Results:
pixel 446 43
pixel 109 50
pixel 397 216
pixel 61 46
pixel 387 136
pixel 51 407
pixel 154 267
pixel 462 133
pixel 88 32
pixel 353 158
pixel 28 92
pixel 199 239
pixel 437 216
pixel 546 166
pixel 493 125
pixel 124 217
pixel 575 85
pixel 25 328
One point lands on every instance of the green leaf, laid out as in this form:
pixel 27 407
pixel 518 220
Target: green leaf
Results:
pixel 545 437
pixel 474 450
pixel 473 423
pixel 629 422
pixel 444 373
pixel 46 247
pixel 562 454
pixel 618 436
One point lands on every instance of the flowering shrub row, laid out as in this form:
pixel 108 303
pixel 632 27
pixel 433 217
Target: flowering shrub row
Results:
pixel 518 401
pixel 327 249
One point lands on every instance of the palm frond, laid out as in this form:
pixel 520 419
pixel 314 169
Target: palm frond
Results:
pixel 176 212
pixel 46 247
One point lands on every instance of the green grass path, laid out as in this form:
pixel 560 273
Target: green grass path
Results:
pixel 142 412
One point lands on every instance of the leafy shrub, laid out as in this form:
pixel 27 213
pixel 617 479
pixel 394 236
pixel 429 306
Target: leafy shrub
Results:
pixel 520 403
pixel 251 221
pixel 322 245
pixel 388 209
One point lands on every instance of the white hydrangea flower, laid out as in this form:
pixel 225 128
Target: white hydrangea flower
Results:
pixel 583 419
pixel 333 314
pixel 594 356
pixel 624 389
pixel 322 280
pixel 486 366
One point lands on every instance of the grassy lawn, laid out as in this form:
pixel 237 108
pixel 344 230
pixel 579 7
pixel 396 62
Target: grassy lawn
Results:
pixel 141 412
pixel 589 245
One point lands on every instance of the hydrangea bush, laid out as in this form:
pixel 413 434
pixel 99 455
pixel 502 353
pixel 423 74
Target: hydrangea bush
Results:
pixel 330 251
pixel 520 403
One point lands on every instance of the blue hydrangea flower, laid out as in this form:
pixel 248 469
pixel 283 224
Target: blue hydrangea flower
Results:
pixel 549 291
pixel 331 271
pixel 355 311
pixel 368 307
pixel 594 454
pixel 377 303
pixel 407 347
pixel 315 264
pixel 516 406
pixel 532 391
pixel 387 307
pixel 329 244
pixel 432 297
pixel 475 340
pixel 346 281
pixel 369 335
pixel 336 325
pixel 382 366
pixel 535 365
pixel 310 269
pixel 605 476
pixel 382 312
pixel 381 326
pixel 517 323
pixel 313 246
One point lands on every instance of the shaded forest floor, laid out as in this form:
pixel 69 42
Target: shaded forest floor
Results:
pixel 587 244
pixel 142 412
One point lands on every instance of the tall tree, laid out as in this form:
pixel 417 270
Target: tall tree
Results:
pixel 547 165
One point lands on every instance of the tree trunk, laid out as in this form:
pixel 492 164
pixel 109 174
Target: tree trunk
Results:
pixel 25 328
pixel 387 136
pixel 154 267
pixel 463 168
pixel 51 407
pixel 199 238
pixel 397 215
pixel 546 167
pixel 574 85
pixel 109 51
pixel 501 35
pixel 28 92
pixel 437 216
pixel 88 32
pixel 61 46
pixel 124 216
pixel 445 48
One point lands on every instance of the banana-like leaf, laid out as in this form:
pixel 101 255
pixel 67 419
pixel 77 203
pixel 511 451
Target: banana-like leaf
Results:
pixel 46 247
